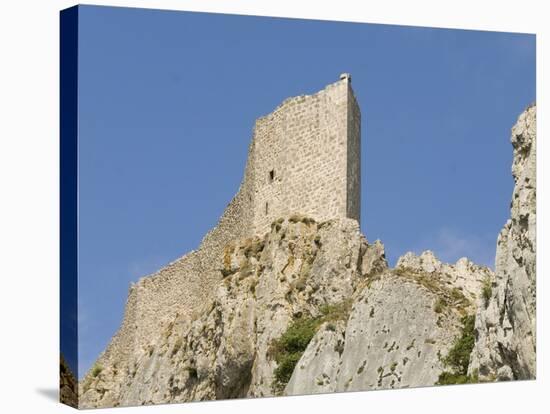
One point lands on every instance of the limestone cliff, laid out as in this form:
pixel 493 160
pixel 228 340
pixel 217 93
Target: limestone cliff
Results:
pixel 299 270
pixel 506 319
pixel 402 324
pixel 311 306
pixel 317 285
pixel 304 157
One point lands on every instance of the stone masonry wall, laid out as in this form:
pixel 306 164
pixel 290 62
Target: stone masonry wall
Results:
pixel 307 158
pixel 184 286
pixel 353 158
pixel 306 142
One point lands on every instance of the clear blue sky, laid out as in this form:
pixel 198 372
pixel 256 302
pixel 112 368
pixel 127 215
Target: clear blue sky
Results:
pixel 167 102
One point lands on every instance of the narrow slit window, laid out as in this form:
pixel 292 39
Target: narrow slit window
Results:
pixel 271 175
pixel 266 208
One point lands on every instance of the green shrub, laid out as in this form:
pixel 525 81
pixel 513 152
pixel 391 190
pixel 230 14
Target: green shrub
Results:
pixel 297 336
pixel 448 378
pixel 487 290
pixel 96 370
pixel 458 357
pixel 285 368
pixel 288 349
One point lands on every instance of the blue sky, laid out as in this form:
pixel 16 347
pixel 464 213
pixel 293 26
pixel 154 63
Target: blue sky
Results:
pixel 167 103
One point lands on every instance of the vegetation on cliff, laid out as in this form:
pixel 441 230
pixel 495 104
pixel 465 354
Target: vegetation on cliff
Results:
pixel 458 358
pixel 288 349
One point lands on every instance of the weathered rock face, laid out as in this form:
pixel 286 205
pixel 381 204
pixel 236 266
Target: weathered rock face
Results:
pixel 68 385
pixel 505 324
pixel 313 170
pixel 313 307
pixel 387 328
pixel 294 271
pixel 463 275
pixel 402 324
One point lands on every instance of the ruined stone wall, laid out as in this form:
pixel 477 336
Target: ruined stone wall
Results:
pixel 184 286
pixel 353 158
pixel 306 143
pixel 307 158
pixel 506 344
pixel 188 283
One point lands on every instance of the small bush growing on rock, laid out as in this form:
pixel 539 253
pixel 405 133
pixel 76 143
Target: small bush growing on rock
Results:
pixel 459 356
pixel 96 370
pixel 288 349
pixel 297 336
pixel 449 378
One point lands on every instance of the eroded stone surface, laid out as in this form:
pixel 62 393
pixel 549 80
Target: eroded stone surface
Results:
pixel 506 323
pixel 296 269
pixel 463 275
pixel 304 157
pixel 203 327
pixel 402 324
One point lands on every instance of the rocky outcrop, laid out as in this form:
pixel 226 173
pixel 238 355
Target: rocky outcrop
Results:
pixel 312 307
pixel 463 275
pixel 317 285
pixel 402 324
pixel 68 385
pixel 318 180
pixel 505 348
pixel 296 271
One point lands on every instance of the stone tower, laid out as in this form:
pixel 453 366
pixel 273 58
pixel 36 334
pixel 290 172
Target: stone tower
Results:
pixel 305 158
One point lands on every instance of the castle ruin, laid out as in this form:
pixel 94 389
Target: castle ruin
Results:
pixel 304 158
